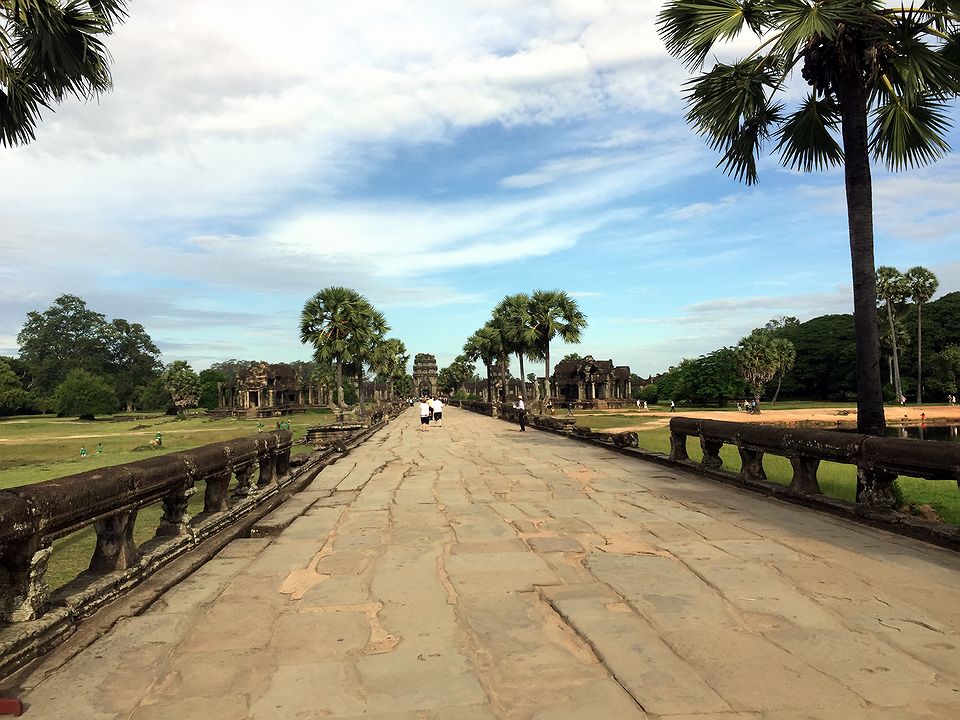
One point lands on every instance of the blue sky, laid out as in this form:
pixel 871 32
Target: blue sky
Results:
pixel 435 156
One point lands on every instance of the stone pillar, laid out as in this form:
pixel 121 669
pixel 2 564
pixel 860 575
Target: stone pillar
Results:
pixel 23 597
pixel 215 496
pixel 244 475
pixel 176 519
pixel 115 547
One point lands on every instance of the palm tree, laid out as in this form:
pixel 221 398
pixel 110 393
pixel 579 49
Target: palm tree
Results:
pixel 330 320
pixel 785 355
pixel 922 284
pixel 757 361
pixel 484 345
pixel 892 289
pixel 512 316
pixel 390 360
pixel 48 50
pixel 369 326
pixel 882 79
pixel 554 313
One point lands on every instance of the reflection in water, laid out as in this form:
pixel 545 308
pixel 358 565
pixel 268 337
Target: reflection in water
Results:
pixel 943 433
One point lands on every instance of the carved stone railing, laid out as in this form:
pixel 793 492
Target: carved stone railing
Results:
pixel 33 516
pixel 879 460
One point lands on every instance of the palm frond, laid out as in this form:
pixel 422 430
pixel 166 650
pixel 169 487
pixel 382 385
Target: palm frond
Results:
pixel 690 28
pixel 910 131
pixel 805 138
pixel 918 66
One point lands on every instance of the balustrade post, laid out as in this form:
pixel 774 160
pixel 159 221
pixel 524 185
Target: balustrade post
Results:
pixel 176 519
pixel 711 452
pixel 804 481
pixel 678 446
pixel 244 475
pixel 215 495
pixel 267 468
pixel 23 584
pixel 751 464
pixel 115 547
pixel 875 487
pixel 283 462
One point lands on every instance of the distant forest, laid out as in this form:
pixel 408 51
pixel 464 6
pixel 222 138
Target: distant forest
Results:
pixel 825 361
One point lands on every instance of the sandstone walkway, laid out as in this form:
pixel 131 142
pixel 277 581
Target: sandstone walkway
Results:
pixel 474 572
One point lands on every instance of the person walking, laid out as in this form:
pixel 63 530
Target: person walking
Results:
pixel 424 414
pixel 438 411
pixel 673 406
pixel 521 413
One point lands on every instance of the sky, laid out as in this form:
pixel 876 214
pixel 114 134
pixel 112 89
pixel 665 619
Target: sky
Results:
pixel 435 155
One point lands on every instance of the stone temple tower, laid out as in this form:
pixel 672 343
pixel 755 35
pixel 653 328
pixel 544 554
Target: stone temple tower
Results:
pixel 425 375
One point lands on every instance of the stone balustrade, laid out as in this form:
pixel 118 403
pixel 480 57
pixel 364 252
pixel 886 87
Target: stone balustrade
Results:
pixel 33 516
pixel 879 460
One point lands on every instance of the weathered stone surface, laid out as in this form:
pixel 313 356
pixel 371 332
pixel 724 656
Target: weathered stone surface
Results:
pixel 466 575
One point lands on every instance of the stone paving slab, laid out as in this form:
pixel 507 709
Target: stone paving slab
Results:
pixel 474 573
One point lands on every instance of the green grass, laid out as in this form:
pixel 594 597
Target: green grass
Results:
pixel 37 448
pixel 836 479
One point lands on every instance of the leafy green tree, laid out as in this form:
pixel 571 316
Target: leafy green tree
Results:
pixel 882 79
pixel 945 370
pixel 64 337
pixel 553 313
pixel 182 383
pixel 132 359
pixel 13 398
pixel 154 396
pixel 460 371
pixel 85 395
pixel 48 50
pixel 210 380
pixel 893 290
pixel 922 285
pixel 368 331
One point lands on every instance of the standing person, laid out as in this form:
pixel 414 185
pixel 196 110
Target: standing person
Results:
pixel 673 406
pixel 638 404
pixel 430 405
pixel 521 413
pixel 424 414
pixel 438 412
pixel 645 407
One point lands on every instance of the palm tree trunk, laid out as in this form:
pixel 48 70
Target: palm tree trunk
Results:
pixel 360 389
pixel 777 393
pixel 339 379
pixel 919 357
pixel 503 378
pixel 546 371
pixel 523 378
pixel 859 191
pixel 894 354
pixel 489 384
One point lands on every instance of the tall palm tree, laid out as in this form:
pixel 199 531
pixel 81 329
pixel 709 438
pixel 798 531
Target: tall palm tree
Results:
pixel 330 320
pixel 554 313
pixel 922 284
pixel 892 289
pixel 369 327
pixel 390 360
pixel 50 49
pixel 882 77
pixel 785 355
pixel 484 345
pixel 512 316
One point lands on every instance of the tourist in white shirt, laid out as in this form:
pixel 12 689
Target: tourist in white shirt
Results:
pixel 521 413
pixel 424 414
pixel 438 411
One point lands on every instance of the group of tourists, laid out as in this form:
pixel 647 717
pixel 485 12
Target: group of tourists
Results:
pixel 431 410
pixel 951 399
pixel 748 406
pixel 642 405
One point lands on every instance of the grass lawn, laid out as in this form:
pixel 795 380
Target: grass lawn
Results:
pixel 836 480
pixel 37 448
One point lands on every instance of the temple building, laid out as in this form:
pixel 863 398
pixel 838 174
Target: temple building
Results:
pixel 591 383
pixel 270 389
pixel 425 375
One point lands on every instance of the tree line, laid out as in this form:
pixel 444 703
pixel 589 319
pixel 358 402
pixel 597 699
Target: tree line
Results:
pixel 824 366
pixel 73 361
